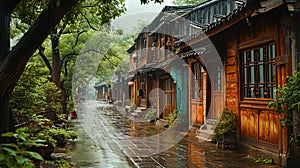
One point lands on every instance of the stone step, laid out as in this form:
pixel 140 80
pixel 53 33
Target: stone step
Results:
pixel 205 132
pixel 137 111
pixel 203 136
pixel 211 121
pixel 162 123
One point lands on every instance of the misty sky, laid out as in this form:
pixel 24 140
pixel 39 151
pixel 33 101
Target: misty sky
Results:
pixel 136 11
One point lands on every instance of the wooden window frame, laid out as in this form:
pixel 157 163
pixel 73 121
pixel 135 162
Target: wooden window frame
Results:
pixel 197 80
pixel 218 79
pixel 258 65
pixel 142 85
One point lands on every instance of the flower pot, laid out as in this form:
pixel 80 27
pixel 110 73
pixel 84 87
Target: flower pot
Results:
pixel 228 140
pixel 73 115
pixel 39 149
pixel 48 151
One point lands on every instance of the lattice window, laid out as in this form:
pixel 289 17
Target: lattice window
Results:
pixel 197 80
pixel 218 78
pixel 258 73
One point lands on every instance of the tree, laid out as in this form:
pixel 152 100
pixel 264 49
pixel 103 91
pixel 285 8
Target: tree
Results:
pixel 13 60
pixel 187 2
pixel 86 15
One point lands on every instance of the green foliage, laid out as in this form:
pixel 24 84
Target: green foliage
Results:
pixel 27 97
pixel 54 136
pixel 18 155
pixel 172 117
pixel 288 99
pixel 151 115
pixel 287 103
pixel 225 124
pixel 132 107
pixel 70 106
pixel 57 163
pixel 60 135
pixel 34 92
pixel 264 161
pixel 42 128
pixel 53 97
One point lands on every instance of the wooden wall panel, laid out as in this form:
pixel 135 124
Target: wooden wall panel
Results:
pixel 274 127
pixel 197 114
pixel 249 123
pixel 231 72
pixel 261 125
pixel 268 126
pixel 264 128
pixel 193 114
pixel 200 119
pixel 218 105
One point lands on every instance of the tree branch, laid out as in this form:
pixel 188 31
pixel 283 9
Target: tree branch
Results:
pixel 61 31
pixel 15 61
pixel 88 21
pixel 111 63
pixel 77 38
pixel 42 54
pixel 67 55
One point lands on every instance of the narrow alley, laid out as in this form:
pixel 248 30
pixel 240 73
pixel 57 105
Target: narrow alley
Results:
pixel 107 138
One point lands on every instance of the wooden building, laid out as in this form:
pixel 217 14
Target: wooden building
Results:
pixel 103 91
pixel 221 53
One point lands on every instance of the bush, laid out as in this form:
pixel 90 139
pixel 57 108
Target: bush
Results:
pixel 226 124
pixel 151 115
pixel 172 117
pixel 18 155
pixel 61 135
pixel 56 164
pixel 287 104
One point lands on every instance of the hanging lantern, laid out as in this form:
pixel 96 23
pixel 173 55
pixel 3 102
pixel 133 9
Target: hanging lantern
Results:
pixel 131 83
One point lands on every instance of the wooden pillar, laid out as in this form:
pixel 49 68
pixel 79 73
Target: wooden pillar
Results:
pixel 147 90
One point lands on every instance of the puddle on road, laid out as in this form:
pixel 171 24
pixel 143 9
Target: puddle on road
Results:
pixel 188 152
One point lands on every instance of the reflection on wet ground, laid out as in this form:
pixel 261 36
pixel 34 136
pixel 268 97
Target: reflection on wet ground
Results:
pixel 111 139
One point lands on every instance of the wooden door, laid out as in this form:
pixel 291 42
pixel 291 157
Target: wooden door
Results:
pixel 217 95
pixel 168 99
pixel 198 94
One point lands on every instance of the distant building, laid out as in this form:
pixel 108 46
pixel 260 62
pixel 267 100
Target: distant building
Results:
pixel 103 91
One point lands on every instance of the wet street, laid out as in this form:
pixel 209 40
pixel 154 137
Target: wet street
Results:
pixel 109 138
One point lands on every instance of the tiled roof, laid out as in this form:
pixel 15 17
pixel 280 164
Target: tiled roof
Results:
pixel 221 19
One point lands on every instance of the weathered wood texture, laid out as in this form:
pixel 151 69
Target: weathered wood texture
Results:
pixel 261 125
pixel 255 120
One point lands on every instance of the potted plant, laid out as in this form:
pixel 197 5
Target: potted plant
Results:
pixel 225 129
pixel 42 128
pixel 71 109
pixel 61 135
pixel 151 115
pixel 172 117
pixel 56 163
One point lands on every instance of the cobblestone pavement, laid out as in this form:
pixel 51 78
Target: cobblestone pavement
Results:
pixel 108 138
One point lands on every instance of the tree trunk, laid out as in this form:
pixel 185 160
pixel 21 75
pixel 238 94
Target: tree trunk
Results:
pixel 6 120
pixel 56 62
pixel 64 100
pixel 4 32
